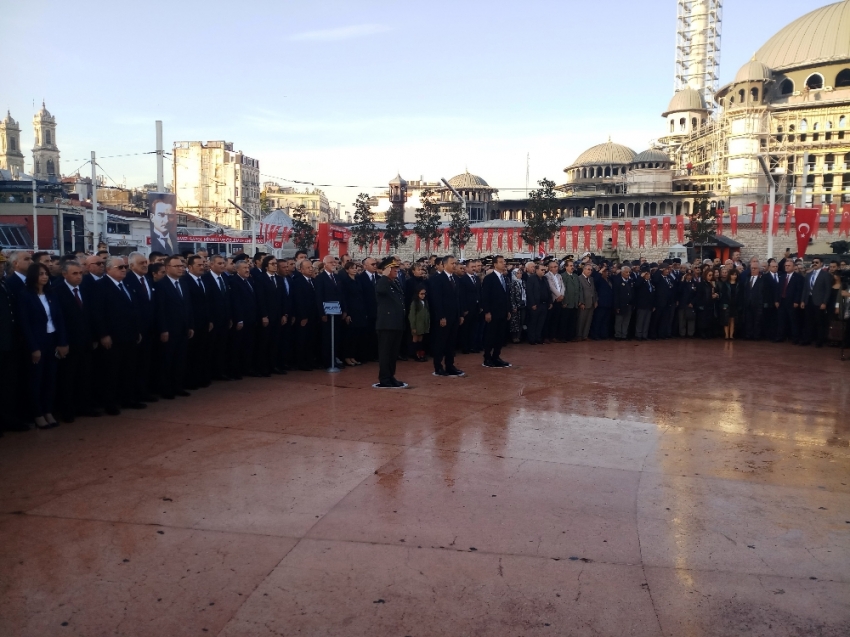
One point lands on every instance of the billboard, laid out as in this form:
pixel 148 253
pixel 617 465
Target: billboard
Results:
pixel 163 215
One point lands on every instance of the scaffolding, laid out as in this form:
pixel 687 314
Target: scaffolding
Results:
pixel 698 31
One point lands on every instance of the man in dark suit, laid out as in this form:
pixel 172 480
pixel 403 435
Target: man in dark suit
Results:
pixel 116 320
pixel 139 284
pixel 755 297
pixel 271 290
pixel 771 298
pixel 368 280
pixel 245 313
pixel 15 285
pixel 390 322
pixel 665 302
pixel 305 316
pixel 285 270
pixel 445 319
pixel 174 324
pixel 198 369
pixel 816 288
pixel 218 299
pixel 623 303
pixel 470 298
pixel 496 308
pixel 787 303
pixel 74 376
pixel 328 290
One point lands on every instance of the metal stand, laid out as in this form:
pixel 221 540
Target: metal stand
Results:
pixel 333 369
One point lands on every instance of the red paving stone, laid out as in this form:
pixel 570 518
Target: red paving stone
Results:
pixel 675 489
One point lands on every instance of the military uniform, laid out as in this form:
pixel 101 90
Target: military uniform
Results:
pixel 390 326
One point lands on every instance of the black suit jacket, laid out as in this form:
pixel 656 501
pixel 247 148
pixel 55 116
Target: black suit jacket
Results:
pixel 758 295
pixel 624 294
pixel 304 299
pixel 115 314
pixel 793 290
pixel 664 292
pixel 644 294
pixel 495 299
pixel 34 321
pixel 244 302
pixel 198 299
pixel 369 294
pixel 444 301
pixel 328 291
pixel 390 305
pixel 173 310
pixel 272 297
pixel 14 285
pixel 820 293
pixel 79 322
pixel 470 294
pixel 146 303
pixel 218 300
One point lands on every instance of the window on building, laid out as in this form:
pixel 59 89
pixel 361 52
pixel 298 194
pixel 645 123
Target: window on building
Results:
pixel 742 96
pixel 754 94
pixel 693 123
pixel 237 191
pixel 804 125
pixel 682 124
pixel 814 81
pixel 47 137
pixel 13 143
pixel 787 87
pixel 51 169
pixel 672 126
pixel 842 79
pixel 842 121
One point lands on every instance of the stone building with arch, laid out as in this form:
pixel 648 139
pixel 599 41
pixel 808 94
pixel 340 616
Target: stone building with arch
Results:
pixel 45 152
pixel 478 193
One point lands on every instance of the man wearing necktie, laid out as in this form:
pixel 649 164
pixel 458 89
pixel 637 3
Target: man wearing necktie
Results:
pixel 198 371
pixel 174 325
pixel 445 319
pixel 138 282
pixel 788 297
pixel 368 280
pixel 328 290
pixel 813 302
pixel 771 299
pixel 305 316
pixel 496 307
pixel 756 297
pixel 219 303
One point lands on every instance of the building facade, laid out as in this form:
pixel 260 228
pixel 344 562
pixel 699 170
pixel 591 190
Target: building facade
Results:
pixel 11 157
pixel 315 202
pixel 209 176
pixel 45 152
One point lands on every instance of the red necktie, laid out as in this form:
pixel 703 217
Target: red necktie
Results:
pixel 77 298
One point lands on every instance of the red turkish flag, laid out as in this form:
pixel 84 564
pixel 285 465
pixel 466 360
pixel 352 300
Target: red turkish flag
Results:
pixel 844 228
pixel 418 243
pixel 575 238
pixel 552 243
pixel 600 236
pixel 446 237
pixel 541 252
pixel 733 220
pixel 830 224
pixel 641 233
pixel 789 214
pixel 807 219
pixel 489 240
pixel 719 222
pixel 615 234
pixel 479 239
pixel 501 239
pixel 511 239
pixel 562 239
pixel 680 229
pixel 665 230
pixel 627 228
pixel 587 230
pixel 764 212
pixel 519 241
pixel 653 230
pixel 816 227
pixel 777 209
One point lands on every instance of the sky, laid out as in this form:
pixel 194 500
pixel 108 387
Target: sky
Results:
pixel 350 92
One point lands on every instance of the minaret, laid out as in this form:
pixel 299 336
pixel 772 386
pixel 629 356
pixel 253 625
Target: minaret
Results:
pixel 45 153
pixel 698 46
pixel 11 157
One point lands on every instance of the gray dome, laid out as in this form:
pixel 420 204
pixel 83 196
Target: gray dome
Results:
pixel 652 155
pixel 687 99
pixel 605 154
pixel 398 181
pixel 467 180
pixel 753 71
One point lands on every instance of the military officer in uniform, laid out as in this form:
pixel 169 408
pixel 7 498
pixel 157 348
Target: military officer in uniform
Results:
pixel 389 322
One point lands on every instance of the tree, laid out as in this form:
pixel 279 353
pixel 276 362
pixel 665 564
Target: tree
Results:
pixel 542 218
pixel 459 232
pixel 394 232
pixel 364 231
pixel 703 222
pixel 427 226
pixel 265 204
pixel 303 232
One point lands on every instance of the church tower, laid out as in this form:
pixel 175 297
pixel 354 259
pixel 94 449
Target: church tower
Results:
pixel 11 157
pixel 45 154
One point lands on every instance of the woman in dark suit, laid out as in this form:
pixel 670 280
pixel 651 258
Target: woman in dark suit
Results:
pixel 355 316
pixel 46 341
pixel 706 304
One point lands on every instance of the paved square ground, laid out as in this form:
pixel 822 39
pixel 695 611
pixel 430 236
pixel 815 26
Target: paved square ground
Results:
pixel 678 488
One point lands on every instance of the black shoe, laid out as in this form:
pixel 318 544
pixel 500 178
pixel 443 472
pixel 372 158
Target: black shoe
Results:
pixel 489 363
pixel 183 393
pixel 441 372
pixel 397 382
pixel 150 398
pixel 500 363
pixel 387 384
pixel 134 406
pixel 113 411
pixel 454 371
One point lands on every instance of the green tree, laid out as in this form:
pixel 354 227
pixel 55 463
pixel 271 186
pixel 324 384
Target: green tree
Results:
pixel 364 231
pixel 459 232
pixel 265 204
pixel 427 226
pixel 303 232
pixel 394 232
pixel 703 222
pixel 542 219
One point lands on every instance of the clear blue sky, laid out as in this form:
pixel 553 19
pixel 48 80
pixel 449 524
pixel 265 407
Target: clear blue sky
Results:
pixel 349 92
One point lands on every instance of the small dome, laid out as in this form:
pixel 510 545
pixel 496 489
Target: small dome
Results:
pixel 398 181
pixel 753 71
pixel 605 154
pixel 43 113
pixel 819 37
pixel 466 180
pixel 653 155
pixel 687 99
pixel 9 121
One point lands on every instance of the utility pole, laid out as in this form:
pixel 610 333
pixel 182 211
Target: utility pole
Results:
pixel 160 177
pixel 94 204
pixel 766 170
pixel 253 226
pixel 35 215
pixel 462 203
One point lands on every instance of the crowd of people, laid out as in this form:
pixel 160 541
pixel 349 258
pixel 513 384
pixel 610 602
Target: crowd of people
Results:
pixel 154 327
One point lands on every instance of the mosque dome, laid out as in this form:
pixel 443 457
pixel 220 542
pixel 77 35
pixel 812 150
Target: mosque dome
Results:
pixel 819 37
pixel 467 180
pixel 398 181
pixel 608 153
pixel 687 99
pixel 651 156
pixel 753 71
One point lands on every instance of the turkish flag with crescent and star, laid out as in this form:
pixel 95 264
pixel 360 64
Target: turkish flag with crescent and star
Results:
pixel 806 219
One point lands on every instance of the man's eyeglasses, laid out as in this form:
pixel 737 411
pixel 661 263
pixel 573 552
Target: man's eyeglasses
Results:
pixel 120 267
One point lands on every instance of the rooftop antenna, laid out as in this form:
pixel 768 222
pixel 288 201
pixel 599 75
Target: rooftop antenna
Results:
pixel 527 164
pixel 698 29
